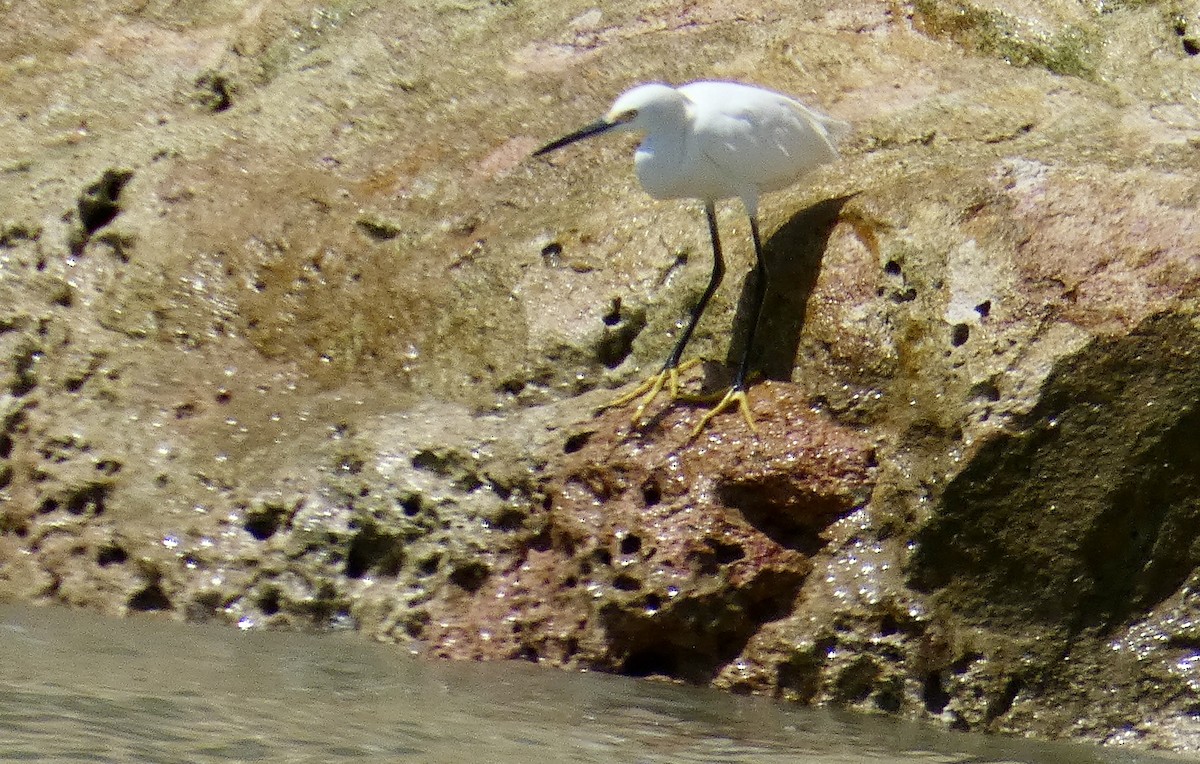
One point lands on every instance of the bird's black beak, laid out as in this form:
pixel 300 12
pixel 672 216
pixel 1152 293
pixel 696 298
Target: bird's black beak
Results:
pixel 595 128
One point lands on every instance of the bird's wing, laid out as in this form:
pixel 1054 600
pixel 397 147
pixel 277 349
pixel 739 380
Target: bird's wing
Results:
pixel 764 140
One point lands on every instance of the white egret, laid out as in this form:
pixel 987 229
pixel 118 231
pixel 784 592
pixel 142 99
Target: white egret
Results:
pixel 713 141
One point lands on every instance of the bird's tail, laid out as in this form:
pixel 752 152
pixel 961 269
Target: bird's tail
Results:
pixel 836 129
pixel 833 130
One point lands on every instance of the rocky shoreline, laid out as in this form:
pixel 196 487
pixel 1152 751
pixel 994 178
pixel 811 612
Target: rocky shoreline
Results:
pixel 295 335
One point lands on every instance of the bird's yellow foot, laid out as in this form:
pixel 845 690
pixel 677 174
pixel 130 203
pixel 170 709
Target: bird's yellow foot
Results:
pixel 735 395
pixel 650 387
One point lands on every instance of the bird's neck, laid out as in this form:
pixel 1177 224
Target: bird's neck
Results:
pixel 660 159
pixel 659 163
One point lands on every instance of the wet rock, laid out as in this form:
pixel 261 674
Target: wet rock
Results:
pixel 1074 519
pixel 656 555
pixel 293 334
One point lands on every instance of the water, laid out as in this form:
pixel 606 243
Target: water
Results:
pixel 78 688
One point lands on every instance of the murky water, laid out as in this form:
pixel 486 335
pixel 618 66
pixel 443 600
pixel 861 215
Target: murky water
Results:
pixel 77 688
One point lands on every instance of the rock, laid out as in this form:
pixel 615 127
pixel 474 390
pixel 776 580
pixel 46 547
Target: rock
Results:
pixel 656 555
pixel 293 334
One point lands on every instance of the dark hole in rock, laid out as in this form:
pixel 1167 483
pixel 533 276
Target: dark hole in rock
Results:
pixel 415 624
pixel 933 694
pixel 75 384
pixel 985 391
pixel 799 677
pixel 264 522
pixel 150 598
pixel 203 606
pixel 773 507
pixel 855 683
pixel 110 554
pixel 468 482
pixel 501 490
pixel 269 601
pixel 469 576
pixel 411 505
pixel 984 308
pixel 98 204
pixel 24 380
pixel 429 565
pixel 528 653
pixel 542 542
pixel 627 583
pixel 651 492
pixel 551 254
pixel 108 466
pixel 773 605
pixel 214 91
pixel 892 268
pixel 650 662
pixel 959 334
pixel 377 229
pixel 617 342
pixel 373 550
pixel 512 386
pixel 1003 703
pixel 631 544
pixel 89 499
pixel 725 553
pixel 890 698
pixel 964 663
pixel 509 519
pixel 576 442
pixel 716 554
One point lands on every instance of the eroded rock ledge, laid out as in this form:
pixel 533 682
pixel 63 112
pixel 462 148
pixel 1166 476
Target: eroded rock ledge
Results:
pixel 294 335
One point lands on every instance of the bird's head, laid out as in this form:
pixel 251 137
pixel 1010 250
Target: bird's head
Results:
pixel 637 109
pixel 643 107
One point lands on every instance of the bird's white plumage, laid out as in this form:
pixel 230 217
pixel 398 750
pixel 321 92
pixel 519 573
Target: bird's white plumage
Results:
pixel 713 141
pixel 718 140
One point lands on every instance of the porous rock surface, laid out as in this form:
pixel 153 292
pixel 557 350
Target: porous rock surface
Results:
pixel 293 334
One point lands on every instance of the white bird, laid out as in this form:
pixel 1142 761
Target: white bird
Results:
pixel 713 141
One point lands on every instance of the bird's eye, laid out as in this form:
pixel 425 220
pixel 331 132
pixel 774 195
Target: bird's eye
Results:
pixel 629 116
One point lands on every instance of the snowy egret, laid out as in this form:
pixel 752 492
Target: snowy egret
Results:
pixel 712 141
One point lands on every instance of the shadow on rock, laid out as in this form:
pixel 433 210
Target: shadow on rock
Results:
pixel 1088 516
pixel 793 257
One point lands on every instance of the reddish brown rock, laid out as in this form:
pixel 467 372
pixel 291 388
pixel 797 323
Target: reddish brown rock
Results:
pixel 293 335
pixel 661 554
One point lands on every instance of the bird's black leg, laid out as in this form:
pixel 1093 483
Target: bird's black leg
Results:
pixel 669 375
pixel 737 393
pixel 760 295
pixel 718 272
